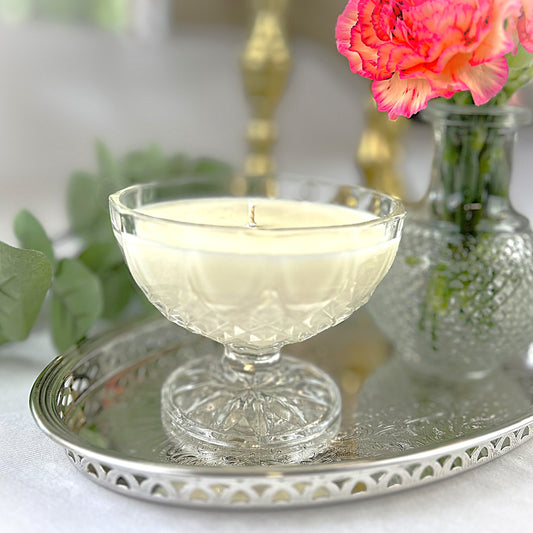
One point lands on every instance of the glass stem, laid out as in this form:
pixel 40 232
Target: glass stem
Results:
pixel 241 361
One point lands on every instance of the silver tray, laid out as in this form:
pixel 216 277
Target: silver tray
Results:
pixel 100 401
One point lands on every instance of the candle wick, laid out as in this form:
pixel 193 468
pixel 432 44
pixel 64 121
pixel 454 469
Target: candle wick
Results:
pixel 251 216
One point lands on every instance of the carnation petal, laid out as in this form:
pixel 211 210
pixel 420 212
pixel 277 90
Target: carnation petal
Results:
pixel 361 58
pixel 343 33
pixel 373 31
pixel 395 57
pixel 458 31
pixel 484 81
pixel 500 40
pixel 525 25
pixel 368 56
pixel 346 21
pixel 401 97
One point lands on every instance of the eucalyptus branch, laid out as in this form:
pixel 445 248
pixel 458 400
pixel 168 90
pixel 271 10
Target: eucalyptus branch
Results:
pixel 95 284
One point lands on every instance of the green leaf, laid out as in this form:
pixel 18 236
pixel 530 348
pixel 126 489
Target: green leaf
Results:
pixel 83 204
pixel 208 167
pixel 179 165
pixel 101 231
pixel 105 260
pixel 520 73
pixel 25 276
pixel 118 291
pixel 31 234
pixel 144 165
pixel 77 302
pixel 522 59
pixel 101 256
pixel 87 209
pixel 109 171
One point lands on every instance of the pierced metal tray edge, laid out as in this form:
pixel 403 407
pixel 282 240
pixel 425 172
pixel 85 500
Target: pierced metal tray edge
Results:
pixel 262 486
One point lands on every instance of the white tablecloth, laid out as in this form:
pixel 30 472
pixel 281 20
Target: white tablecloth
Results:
pixel 62 87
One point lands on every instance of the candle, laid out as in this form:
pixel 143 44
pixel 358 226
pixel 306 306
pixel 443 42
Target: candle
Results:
pixel 249 272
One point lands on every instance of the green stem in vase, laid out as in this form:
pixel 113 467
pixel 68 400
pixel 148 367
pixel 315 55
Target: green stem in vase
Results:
pixel 472 171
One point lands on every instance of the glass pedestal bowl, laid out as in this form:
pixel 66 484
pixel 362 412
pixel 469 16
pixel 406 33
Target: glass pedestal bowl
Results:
pixel 255 273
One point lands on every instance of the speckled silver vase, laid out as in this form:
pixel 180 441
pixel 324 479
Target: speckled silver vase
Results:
pixel 459 297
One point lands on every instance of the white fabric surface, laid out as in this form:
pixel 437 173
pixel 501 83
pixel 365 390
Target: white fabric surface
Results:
pixel 61 88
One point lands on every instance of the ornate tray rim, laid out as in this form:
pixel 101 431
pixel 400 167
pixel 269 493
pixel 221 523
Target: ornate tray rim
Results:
pixel 43 393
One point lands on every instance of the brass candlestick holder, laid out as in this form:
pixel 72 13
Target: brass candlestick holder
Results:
pixel 266 63
pixel 379 151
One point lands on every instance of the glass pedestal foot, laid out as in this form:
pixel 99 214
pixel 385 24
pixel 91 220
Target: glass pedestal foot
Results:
pixel 281 410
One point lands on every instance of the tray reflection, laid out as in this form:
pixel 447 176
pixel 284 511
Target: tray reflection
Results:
pixel 387 411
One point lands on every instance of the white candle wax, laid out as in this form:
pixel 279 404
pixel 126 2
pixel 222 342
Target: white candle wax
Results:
pixel 256 283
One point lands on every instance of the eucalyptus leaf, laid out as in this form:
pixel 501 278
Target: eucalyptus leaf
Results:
pixel 89 212
pixel 97 284
pixel 209 167
pixel 83 205
pixel 145 165
pixel 108 169
pixel 105 260
pixel 31 234
pixel 77 302
pixel 25 277
pixel 101 256
pixel 179 165
pixel 102 231
pixel 118 290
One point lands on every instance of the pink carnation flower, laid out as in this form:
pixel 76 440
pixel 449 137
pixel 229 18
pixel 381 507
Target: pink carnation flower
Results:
pixel 416 50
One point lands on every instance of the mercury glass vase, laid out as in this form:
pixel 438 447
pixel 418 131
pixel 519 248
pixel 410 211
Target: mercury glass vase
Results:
pixel 458 299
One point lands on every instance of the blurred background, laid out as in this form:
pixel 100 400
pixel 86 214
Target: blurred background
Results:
pixel 183 75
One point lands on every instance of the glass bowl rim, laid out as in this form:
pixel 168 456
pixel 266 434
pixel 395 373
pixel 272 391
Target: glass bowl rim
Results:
pixel 116 203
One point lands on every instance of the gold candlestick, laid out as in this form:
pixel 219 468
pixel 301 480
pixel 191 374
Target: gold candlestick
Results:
pixel 266 63
pixel 379 151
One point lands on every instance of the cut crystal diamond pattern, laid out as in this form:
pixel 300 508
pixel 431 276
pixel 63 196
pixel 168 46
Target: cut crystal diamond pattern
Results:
pixel 292 408
pixel 455 306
